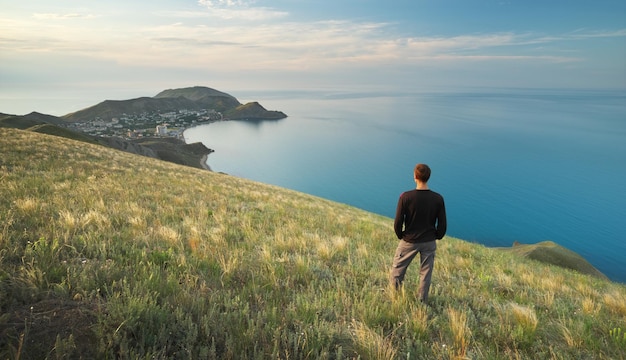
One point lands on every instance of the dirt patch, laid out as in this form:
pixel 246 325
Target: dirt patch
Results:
pixel 50 328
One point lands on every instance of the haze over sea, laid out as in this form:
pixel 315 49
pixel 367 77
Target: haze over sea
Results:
pixel 512 164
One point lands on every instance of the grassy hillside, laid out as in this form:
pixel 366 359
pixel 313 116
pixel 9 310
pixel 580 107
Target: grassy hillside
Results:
pixel 26 121
pixel 552 253
pixel 168 149
pixel 176 151
pixel 32 119
pixel 104 254
pixel 44 128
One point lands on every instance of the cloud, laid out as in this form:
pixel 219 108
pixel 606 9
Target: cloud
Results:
pixel 240 10
pixel 214 3
pixel 69 16
pixel 233 35
pixel 288 46
pixel 596 34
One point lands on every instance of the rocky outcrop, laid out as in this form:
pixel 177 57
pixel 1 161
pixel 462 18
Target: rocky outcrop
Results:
pixel 254 111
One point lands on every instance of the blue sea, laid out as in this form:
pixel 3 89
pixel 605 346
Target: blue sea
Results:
pixel 512 164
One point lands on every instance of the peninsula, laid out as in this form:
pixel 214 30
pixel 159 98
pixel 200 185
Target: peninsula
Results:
pixel 148 126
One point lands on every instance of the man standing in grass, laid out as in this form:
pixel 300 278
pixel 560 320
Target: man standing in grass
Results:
pixel 420 221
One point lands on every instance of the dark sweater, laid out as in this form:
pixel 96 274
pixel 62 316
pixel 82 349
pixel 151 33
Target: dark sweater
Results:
pixel 423 214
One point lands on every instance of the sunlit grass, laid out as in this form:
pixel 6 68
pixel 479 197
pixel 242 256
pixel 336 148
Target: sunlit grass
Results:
pixel 615 301
pixel 461 333
pixel 372 344
pixel 122 256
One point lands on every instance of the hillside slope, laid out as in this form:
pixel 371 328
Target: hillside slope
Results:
pixel 29 120
pixel 551 253
pixel 109 109
pixel 105 254
pixel 168 149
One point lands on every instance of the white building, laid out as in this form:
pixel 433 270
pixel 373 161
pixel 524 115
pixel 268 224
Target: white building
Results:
pixel 161 130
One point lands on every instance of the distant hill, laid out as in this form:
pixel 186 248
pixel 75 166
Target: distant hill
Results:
pixel 45 124
pixel 109 109
pixel 195 93
pixel 50 119
pixel 28 120
pixel 192 98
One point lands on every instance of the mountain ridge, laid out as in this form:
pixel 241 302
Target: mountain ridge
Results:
pixel 190 98
pixel 193 93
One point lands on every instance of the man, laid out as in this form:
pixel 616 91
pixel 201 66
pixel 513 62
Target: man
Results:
pixel 420 221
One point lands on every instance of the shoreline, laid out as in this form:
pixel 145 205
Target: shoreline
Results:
pixel 205 157
pixel 203 162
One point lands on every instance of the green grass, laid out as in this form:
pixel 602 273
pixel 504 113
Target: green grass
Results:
pixel 104 254
pixel 552 253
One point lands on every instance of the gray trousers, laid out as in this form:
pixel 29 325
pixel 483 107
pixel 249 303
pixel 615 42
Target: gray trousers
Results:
pixel 405 253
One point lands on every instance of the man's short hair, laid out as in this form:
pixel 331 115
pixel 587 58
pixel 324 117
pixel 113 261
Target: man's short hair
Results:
pixel 422 172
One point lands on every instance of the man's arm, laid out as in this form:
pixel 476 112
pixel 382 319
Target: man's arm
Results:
pixel 442 221
pixel 398 222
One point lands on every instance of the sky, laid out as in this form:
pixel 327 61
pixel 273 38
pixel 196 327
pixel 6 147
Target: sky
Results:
pixel 63 55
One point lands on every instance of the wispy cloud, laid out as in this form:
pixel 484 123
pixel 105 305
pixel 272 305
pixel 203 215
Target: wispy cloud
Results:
pixel 240 10
pixel 213 3
pixel 68 16
pixel 592 34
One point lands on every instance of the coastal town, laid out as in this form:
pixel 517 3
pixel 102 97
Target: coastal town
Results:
pixel 153 124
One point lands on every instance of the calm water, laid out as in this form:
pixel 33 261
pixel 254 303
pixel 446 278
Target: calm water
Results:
pixel 512 165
